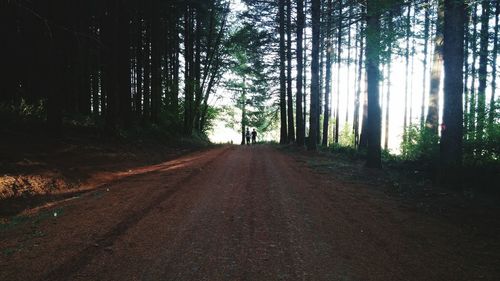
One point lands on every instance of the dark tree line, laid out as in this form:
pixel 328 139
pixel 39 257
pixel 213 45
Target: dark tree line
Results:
pixel 122 63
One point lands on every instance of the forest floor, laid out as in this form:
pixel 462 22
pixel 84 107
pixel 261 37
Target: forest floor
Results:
pixel 251 213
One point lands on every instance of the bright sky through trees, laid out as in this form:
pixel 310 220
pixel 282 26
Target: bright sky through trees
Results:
pixel 222 133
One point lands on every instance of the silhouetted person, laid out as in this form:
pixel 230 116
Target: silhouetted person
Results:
pixel 254 136
pixel 247 135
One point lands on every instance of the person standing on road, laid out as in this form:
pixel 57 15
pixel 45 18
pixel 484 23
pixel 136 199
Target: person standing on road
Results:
pixel 247 135
pixel 254 136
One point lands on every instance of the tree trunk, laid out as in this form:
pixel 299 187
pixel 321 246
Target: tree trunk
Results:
pixel 147 74
pixel 291 126
pixel 412 71
pixel 373 75
pixel 56 67
pixel 282 54
pixel 472 103
pixel 103 97
pixel 198 89
pixel 483 72
pixel 466 72
pixel 387 102
pixel 139 68
pixel 175 76
pixel 117 66
pixel 313 122
pixel 491 116
pixel 243 102
pixel 453 55
pixel 95 77
pixel 123 66
pixel 305 78
pixel 321 77
pixel 390 26
pixel 432 119
pixel 363 138
pixel 9 28
pixel 84 67
pixel 359 83
pixel 407 79
pixel 427 23
pixel 213 67
pixel 211 83
pixel 329 53
pixel 347 94
pixel 188 70
pixel 300 70
pixel 339 62
pixel 155 62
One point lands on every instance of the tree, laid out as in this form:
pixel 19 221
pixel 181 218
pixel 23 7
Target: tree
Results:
pixel 315 86
pixel 350 16
pixel 156 50
pixel 282 54
pixel 432 119
pixel 453 55
pixel 390 28
pixel 373 45
pixel 494 65
pixel 466 71
pixel 116 39
pixel 146 103
pixel 329 53
pixel 213 62
pixel 291 127
pixel 246 63
pixel 482 72
pixel 339 63
pixel 427 23
pixel 407 66
pixel 305 80
pixel 300 69
pixel 139 67
pixel 357 96
pixel 472 99
pixel 188 69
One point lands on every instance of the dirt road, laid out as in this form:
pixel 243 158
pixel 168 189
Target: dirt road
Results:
pixel 238 213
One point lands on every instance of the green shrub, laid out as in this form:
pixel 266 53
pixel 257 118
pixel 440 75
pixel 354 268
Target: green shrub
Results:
pixel 420 144
pixel 486 151
pixel 346 137
pixel 347 150
pixel 23 111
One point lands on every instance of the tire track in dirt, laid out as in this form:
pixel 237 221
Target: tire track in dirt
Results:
pixel 227 225
pixel 209 231
pixel 71 266
pixel 269 180
pixel 188 232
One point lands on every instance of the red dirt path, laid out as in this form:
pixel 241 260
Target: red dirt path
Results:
pixel 240 213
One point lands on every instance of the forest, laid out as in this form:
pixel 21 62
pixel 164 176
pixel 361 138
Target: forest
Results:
pixel 125 149
pixel 322 73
